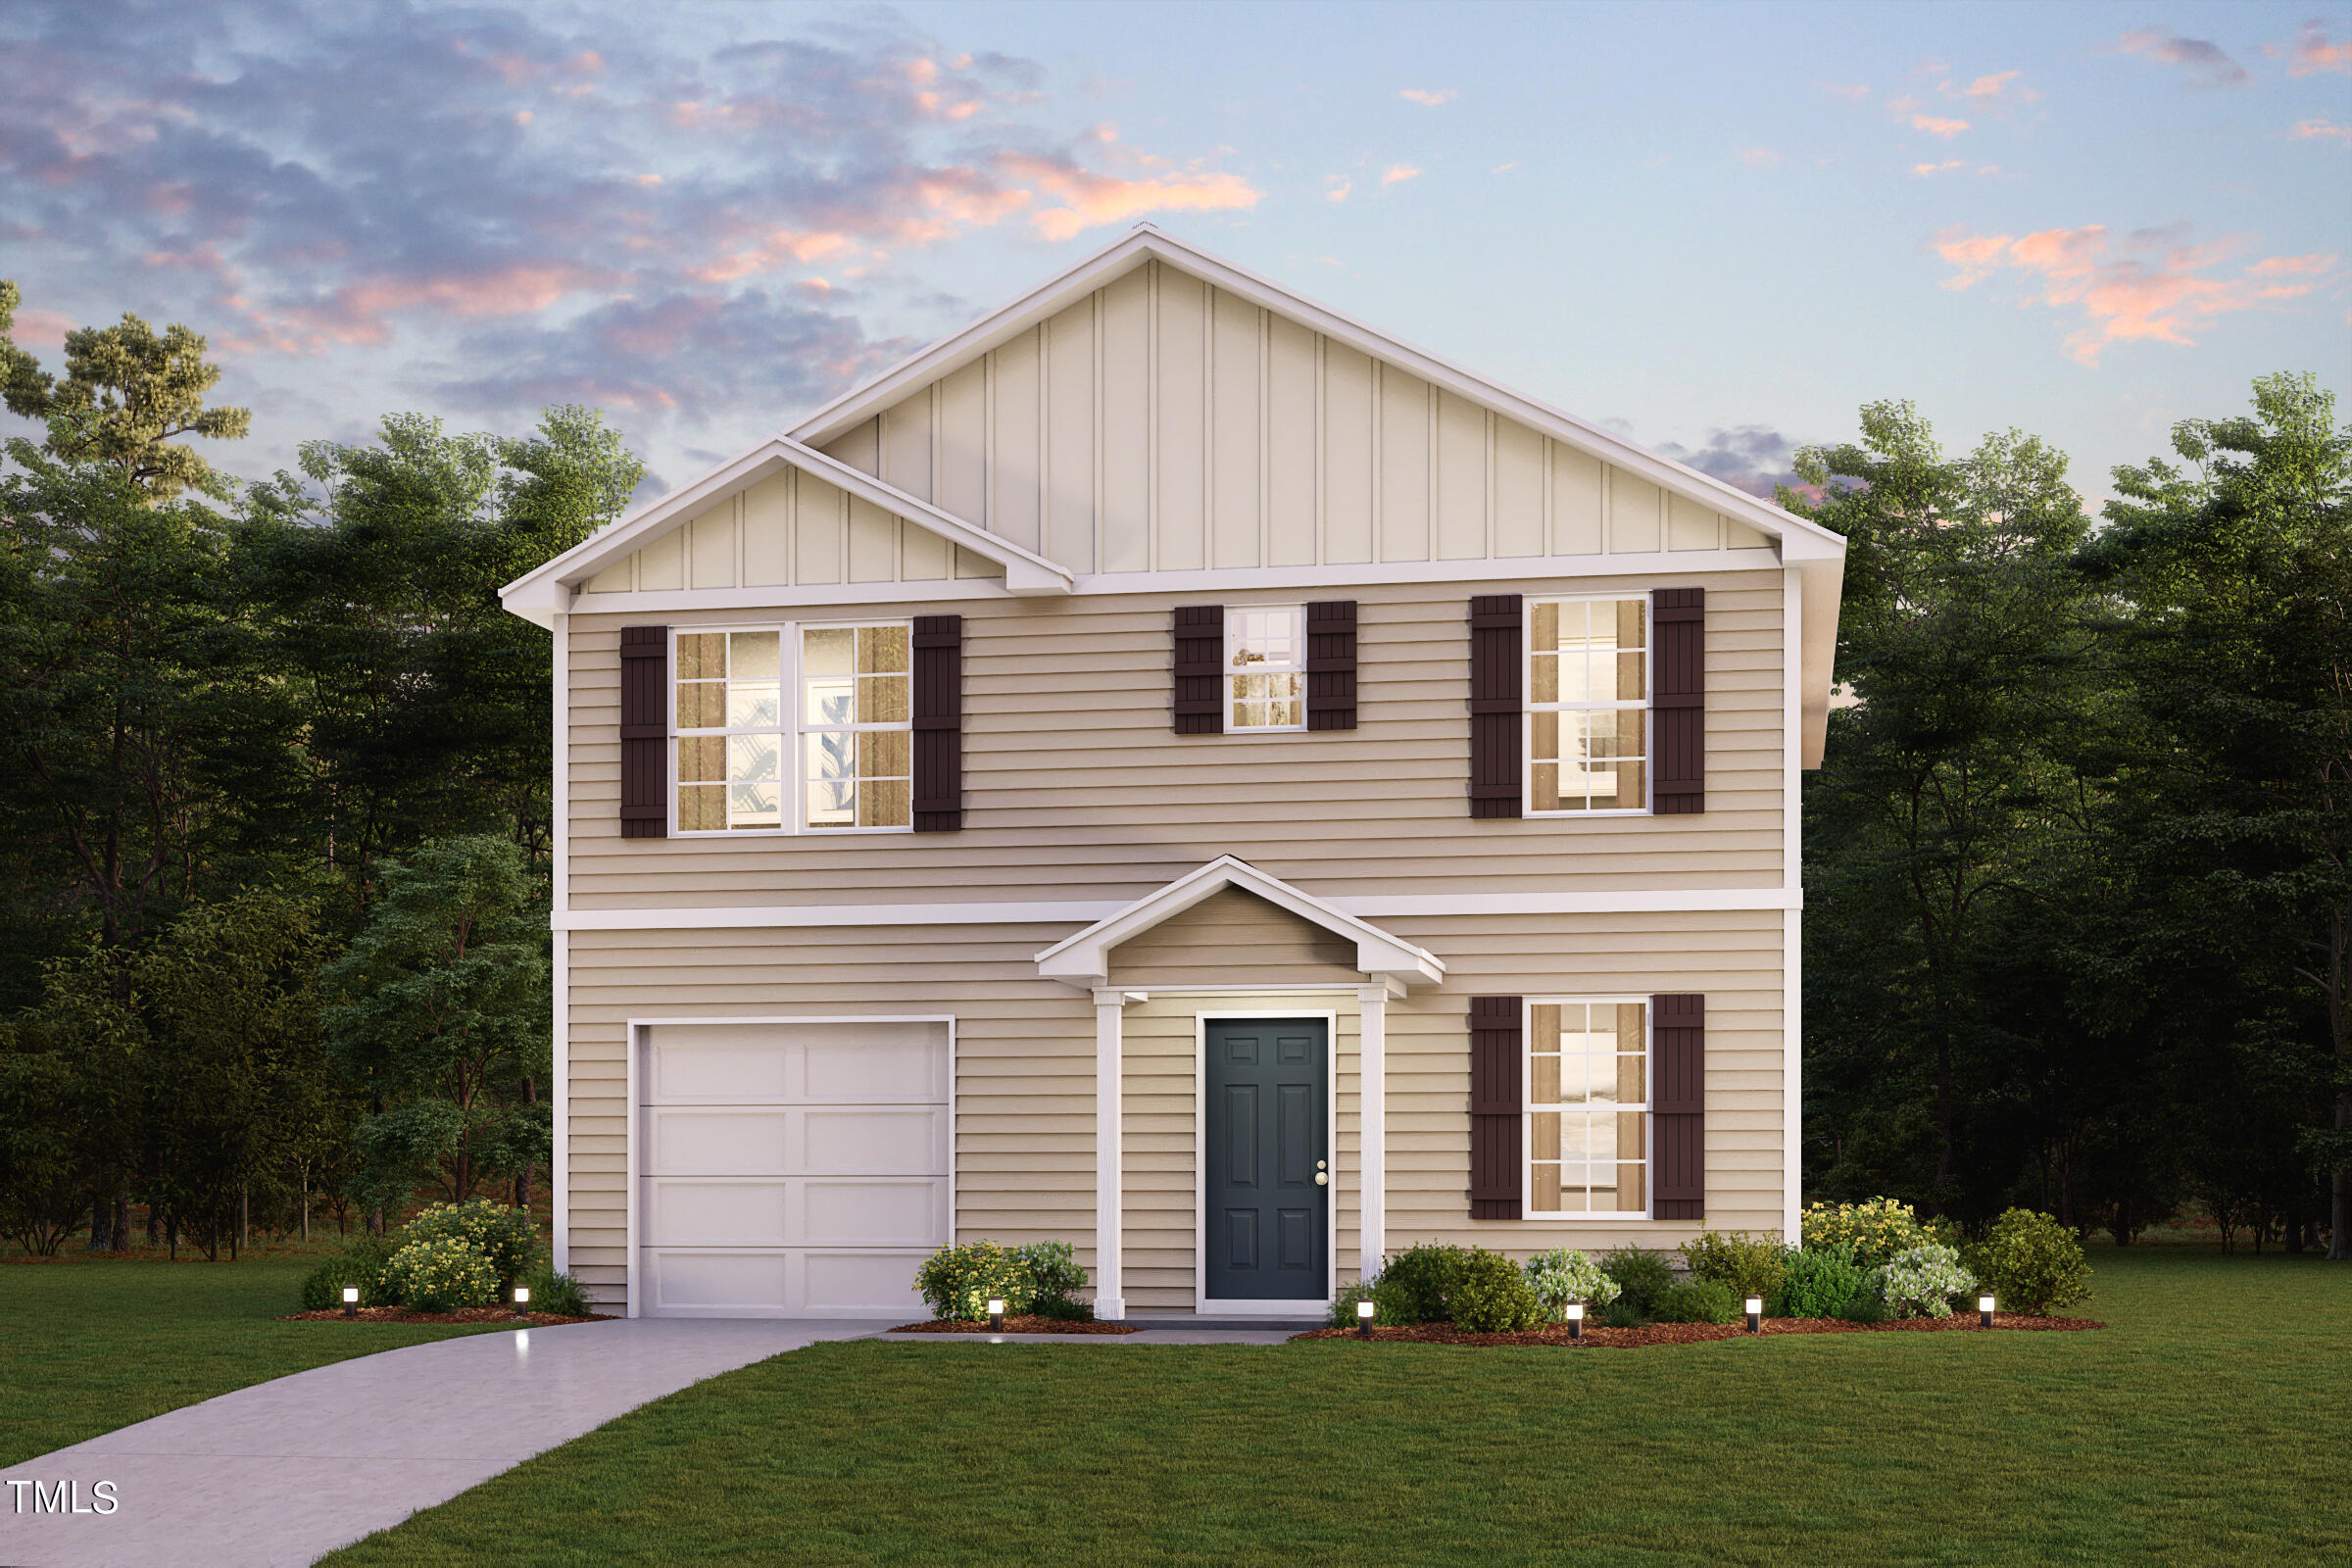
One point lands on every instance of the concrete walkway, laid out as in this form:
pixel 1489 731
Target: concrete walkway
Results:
pixel 288 1470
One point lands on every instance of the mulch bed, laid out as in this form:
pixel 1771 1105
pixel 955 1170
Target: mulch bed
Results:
pixel 464 1314
pixel 1021 1323
pixel 1602 1336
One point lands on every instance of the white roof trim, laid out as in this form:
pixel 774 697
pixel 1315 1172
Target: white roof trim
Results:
pixel 548 590
pixel 1802 539
pixel 1084 960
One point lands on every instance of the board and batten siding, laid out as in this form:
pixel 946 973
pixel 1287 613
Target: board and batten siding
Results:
pixel 1025 1061
pixel 1163 425
pixel 1075 787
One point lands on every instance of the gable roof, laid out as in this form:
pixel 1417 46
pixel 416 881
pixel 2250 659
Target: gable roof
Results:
pixel 1083 960
pixel 539 595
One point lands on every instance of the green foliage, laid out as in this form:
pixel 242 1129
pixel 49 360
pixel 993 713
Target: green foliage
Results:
pixel 1871 1232
pixel 1641 1276
pixel 1621 1313
pixel 1748 1265
pixel 44 1171
pixel 1869 1304
pixel 1421 1281
pixel 1923 1281
pixel 958 1282
pixel 1393 1306
pixel 1491 1295
pixel 1564 1275
pixel 2029 1264
pixel 362 1267
pixel 1697 1302
pixel 500 1232
pixel 560 1294
pixel 1063 1308
pixel 1817 1282
pixel 1055 1276
pixel 441 1274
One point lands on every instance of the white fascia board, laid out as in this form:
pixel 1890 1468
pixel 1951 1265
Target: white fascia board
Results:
pixel 1019 316
pixel 1564 570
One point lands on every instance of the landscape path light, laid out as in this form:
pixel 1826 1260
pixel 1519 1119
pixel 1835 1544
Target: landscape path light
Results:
pixel 351 1300
pixel 1363 1318
pixel 1755 1314
pixel 1576 1320
pixel 1983 1311
pixel 522 1302
pixel 996 1313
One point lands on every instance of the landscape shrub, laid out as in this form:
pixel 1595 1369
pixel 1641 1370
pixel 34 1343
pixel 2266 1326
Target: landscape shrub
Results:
pixel 1621 1313
pixel 2029 1262
pixel 558 1293
pixel 1391 1304
pixel 361 1263
pixel 1063 1308
pixel 1921 1280
pixel 499 1231
pixel 1642 1277
pixel 1697 1302
pixel 1750 1266
pixel 1053 1270
pixel 1869 1304
pixel 1565 1275
pixel 1421 1281
pixel 1875 1231
pixel 1493 1297
pixel 442 1274
pixel 1816 1284
pixel 958 1280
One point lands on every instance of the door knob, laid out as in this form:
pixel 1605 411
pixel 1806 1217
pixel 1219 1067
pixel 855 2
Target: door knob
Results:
pixel 1322 1178
pixel 1322 1164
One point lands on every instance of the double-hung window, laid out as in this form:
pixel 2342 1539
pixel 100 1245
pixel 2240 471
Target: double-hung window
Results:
pixel 793 728
pixel 1265 669
pixel 1588 705
pixel 1587 1105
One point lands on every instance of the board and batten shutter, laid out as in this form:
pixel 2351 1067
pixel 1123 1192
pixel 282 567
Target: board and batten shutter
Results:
pixel 1678 619
pixel 1330 665
pixel 1497 1159
pixel 1498 698
pixel 1677 1106
pixel 644 732
pixel 938 723
pixel 1200 700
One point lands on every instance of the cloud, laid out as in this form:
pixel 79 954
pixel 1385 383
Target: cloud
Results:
pixel 2313 50
pixel 1338 187
pixel 1759 158
pixel 1749 456
pixel 1396 173
pixel 1088 199
pixel 2321 131
pixel 2202 58
pixel 1985 89
pixel 1921 170
pixel 1934 126
pixel 1852 94
pixel 1426 98
pixel 2152 286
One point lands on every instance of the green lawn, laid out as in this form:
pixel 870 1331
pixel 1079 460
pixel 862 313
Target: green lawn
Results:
pixel 87 1346
pixel 2207 1425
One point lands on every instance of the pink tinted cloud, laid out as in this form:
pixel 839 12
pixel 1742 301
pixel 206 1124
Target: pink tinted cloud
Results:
pixel 40 330
pixel 2160 294
pixel 2207 63
pixel 1087 199
pixel 2321 131
pixel 360 311
pixel 1935 125
pixel 1850 92
pixel 1987 88
pixel 1426 98
pixel 1759 158
pixel 2314 50
pixel 782 247
pixel 1398 174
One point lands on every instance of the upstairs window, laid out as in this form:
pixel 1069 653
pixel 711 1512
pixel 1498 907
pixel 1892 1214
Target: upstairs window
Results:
pixel 1588 705
pixel 1587 1104
pixel 838 753
pixel 1265 664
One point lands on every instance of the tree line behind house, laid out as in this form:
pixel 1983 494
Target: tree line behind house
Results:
pixel 276 817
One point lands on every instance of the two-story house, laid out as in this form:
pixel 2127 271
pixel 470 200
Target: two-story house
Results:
pixel 1174 769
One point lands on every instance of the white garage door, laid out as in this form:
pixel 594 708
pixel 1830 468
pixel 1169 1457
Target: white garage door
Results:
pixel 790 1169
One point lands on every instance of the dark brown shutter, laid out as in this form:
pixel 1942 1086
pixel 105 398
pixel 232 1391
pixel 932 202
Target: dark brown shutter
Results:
pixel 1496 1160
pixel 1496 700
pixel 938 723
pixel 1330 665
pixel 644 732
pixel 1678 619
pixel 1677 1106
pixel 1200 704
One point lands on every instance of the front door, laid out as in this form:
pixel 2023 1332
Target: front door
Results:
pixel 1267 1194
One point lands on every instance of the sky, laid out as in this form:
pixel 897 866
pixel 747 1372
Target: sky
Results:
pixel 1718 229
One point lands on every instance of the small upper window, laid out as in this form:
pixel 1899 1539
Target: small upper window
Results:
pixel 1265 662
pixel 1588 705
pixel 729 723
pixel 770 717
pixel 857 755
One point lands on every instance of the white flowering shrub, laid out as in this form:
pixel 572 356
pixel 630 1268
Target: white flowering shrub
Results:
pixel 1922 1281
pixel 442 1274
pixel 1565 1275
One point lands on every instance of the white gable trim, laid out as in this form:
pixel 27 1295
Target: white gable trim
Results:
pixel 1801 540
pixel 548 591
pixel 1083 960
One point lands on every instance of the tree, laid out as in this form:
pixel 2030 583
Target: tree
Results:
pixel 126 394
pixel 439 1016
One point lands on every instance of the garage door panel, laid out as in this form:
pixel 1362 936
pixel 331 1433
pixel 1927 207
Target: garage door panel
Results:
pixel 718 1063
pixel 873 1070
pixel 837 1212
pixel 705 1070
pixel 908 1138
pixel 721 1213
pixel 720 1284
pixel 705 1142
pixel 861 1282
pixel 795 1140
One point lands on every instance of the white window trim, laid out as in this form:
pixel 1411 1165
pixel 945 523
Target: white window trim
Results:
pixel 1527 1110
pixel 1646 706
pixel 791 788
pixel 1227 671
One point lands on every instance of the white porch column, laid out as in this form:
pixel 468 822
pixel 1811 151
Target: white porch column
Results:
pixel 1111 1305
pixel 1372 1101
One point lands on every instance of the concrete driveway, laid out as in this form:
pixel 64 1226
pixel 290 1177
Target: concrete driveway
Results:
pixel 284 1471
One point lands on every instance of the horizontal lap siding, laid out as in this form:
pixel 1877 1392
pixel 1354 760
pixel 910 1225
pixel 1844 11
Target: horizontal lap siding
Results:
pixel 1075 788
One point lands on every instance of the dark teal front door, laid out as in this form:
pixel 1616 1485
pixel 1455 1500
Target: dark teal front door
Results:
pixel 1268 1214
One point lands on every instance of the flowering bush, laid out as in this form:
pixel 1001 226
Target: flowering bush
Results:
pixel 958 1280
pixel 1566 1275
pixel 1053 1270
pixel 1921 1280
pixel 499 1231
pixel 441 1275
pixel 2031 1263
pixel 1875 1231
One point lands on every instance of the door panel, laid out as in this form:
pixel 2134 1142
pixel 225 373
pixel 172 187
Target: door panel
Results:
pixel 1266 1097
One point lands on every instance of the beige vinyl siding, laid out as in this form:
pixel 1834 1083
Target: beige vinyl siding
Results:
pixel 1163 425
pixel 1025 1061
pixel 1076 788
